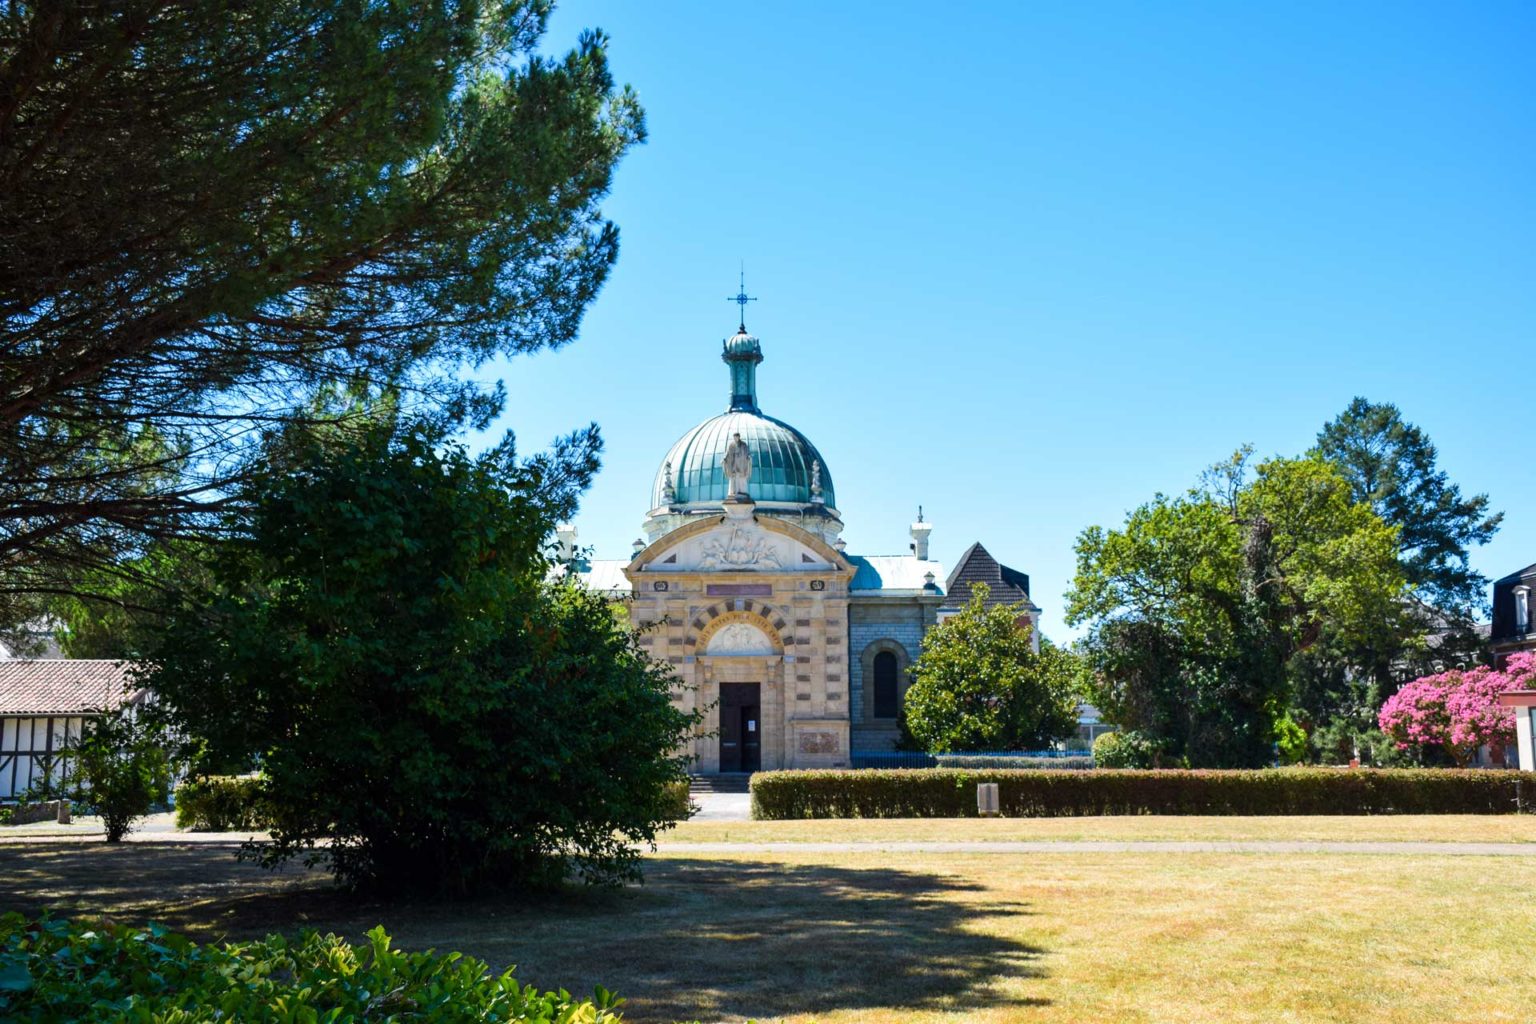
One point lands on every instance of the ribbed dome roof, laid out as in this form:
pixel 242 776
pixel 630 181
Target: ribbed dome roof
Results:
pixel 781 463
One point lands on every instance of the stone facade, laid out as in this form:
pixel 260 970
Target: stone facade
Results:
pixel 744 589
pixel 794 597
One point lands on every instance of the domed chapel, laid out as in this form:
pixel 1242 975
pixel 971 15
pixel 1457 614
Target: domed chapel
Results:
pixel 797 649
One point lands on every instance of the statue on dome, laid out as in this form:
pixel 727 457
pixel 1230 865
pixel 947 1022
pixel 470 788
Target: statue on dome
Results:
pixel 738 468
pixel 668 489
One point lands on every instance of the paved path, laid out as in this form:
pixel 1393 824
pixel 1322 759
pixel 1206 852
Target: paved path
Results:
pixel 1114 846
pixel 722 807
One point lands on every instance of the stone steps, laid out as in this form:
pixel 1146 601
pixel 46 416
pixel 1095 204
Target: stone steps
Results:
pixel 725 782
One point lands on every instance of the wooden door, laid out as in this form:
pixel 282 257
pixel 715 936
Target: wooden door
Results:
pixel 751 739
pixel 741 728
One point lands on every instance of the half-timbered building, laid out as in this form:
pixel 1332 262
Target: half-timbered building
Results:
pixel 44 703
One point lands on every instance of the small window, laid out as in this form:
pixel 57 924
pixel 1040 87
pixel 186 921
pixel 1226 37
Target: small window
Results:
pixel 1522 610
pixel 887 696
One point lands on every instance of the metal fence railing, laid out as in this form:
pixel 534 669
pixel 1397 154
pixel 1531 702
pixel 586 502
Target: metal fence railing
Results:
pixel 916 759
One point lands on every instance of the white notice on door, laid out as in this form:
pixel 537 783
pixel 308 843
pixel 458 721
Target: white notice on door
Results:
pixel 751 725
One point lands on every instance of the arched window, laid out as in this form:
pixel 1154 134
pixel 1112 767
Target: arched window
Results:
pixel 887 692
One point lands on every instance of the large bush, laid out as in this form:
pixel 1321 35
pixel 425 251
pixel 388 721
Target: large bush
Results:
pixel 951 793
pixel 980 684
pixel 429 709
pixel 222 803
pixel 1458 711
pixel 101 972
pixel 1125 749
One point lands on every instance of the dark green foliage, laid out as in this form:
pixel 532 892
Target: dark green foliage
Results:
pixel 419 695
pixel 980 685
pixel 217 213
pixel 119 769
pixel 1341 740
pixel 951 793
pixel 54 972
pixel 222 803
pixel 1391 465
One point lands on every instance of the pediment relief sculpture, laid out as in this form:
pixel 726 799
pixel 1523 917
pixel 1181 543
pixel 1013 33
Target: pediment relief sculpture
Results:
pixel 743 547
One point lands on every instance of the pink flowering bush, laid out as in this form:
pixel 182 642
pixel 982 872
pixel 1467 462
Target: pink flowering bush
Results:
pixel 1458 711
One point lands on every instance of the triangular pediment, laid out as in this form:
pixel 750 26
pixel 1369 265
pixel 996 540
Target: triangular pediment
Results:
pixel 738 545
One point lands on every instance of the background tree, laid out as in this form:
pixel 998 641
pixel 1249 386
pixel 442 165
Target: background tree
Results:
pixel 980 685
pixel 383 639
pixel 216 211
pixel 1390 464
pixel 1341 682
pixel 1199 604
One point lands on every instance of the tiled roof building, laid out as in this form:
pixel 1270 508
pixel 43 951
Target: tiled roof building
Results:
pixel 43 707
pixel 62 686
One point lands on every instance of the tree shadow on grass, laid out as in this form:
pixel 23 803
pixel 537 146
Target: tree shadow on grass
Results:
pixel 706 939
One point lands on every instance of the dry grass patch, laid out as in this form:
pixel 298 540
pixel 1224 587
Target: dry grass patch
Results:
pixel 995 939
pixel 1461 828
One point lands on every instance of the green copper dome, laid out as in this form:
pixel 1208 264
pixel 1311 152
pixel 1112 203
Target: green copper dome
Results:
pixel 786 467
pixel 782 461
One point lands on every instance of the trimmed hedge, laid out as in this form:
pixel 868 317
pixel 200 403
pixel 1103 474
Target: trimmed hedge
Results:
pixel 99 972
pixel 222 803
pixel 1034 793
pixel 978 761
pixel 680 800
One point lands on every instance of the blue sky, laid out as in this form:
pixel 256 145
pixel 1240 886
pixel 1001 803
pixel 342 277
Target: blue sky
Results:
pixel 1028 264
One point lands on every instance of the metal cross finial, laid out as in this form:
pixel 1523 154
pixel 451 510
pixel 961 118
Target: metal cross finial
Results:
pixel 919 513
pixel 741 298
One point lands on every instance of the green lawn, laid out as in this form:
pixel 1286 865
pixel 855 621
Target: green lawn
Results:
pixel 859 937
pixel 1471 828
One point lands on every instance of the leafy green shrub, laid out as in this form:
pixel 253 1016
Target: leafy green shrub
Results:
pixel 1125 750
pixel 222 803
pixel 6 813
pixel 71 971
pixel 119 770
pixel 994 761
pixel 681 805
pixel 432 711
pixel 951 793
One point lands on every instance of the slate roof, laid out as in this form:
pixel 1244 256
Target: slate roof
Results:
pixel 606 575
pixel 892 572
pixel 1519 575
pixel 1504 628
pixel 1009 586
pixel 62 686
